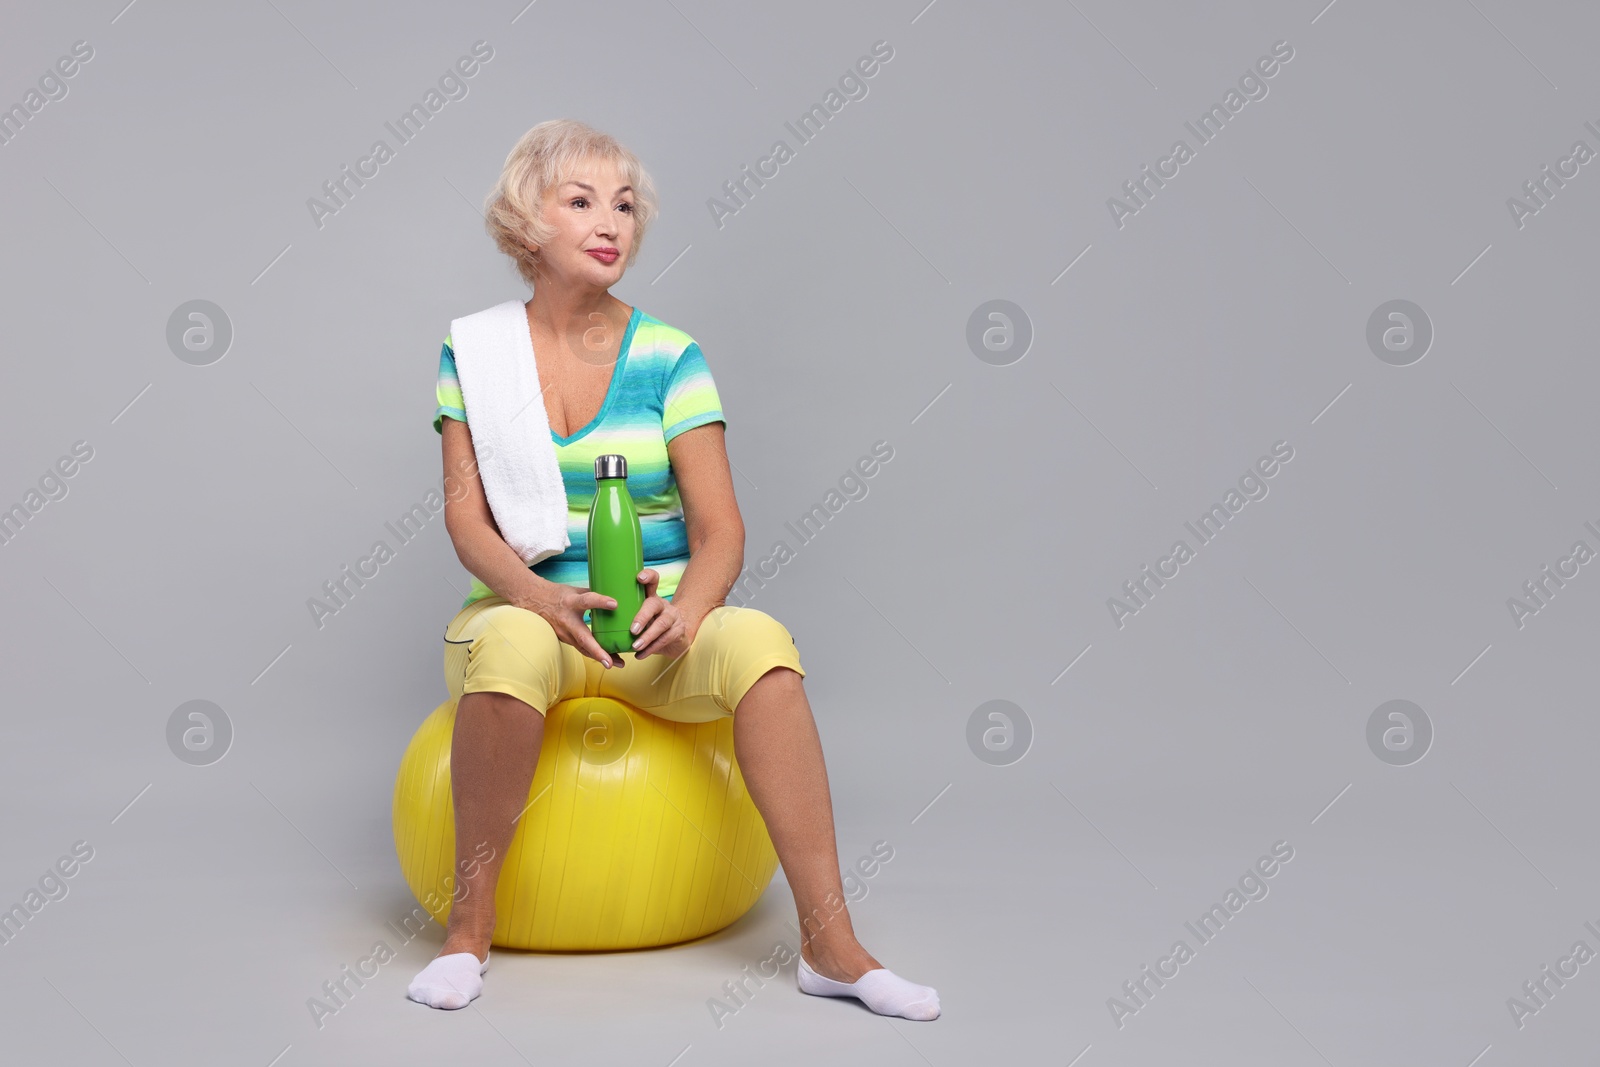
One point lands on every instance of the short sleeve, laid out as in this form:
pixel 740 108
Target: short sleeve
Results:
pixel 447 393
pixel 690 398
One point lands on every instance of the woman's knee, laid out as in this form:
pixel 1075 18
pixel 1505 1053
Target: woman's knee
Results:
pixel 518 653
pixel 495 704
pixel 521 631
pixel 746 628
pixel 750 644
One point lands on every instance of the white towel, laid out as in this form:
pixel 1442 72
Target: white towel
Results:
pixel 510 430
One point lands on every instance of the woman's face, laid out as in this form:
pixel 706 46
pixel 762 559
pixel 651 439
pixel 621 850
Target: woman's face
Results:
pixel 592 212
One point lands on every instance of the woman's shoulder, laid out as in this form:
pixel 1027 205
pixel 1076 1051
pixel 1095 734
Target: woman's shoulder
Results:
pixel 659 337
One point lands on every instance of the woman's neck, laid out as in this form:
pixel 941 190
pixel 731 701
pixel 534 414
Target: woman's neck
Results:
pixel 571 313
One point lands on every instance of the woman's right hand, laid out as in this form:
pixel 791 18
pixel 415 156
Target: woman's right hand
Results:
pixel 564 612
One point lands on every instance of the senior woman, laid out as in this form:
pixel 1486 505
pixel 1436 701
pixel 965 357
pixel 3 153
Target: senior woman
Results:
pixel 571 208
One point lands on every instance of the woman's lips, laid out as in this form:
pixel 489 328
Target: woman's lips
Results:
pixel 604 255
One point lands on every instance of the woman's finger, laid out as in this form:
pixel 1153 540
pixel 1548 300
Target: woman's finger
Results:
pixel 667 645
pixel 648 611
pixel 592 649
pixel 662 626
pixel 649 579
pixel 592 600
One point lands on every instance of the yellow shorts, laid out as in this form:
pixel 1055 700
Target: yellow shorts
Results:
pixel 492 646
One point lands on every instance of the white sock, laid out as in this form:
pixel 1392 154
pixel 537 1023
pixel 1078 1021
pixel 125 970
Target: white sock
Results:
pixel 450 981
pixel 879 989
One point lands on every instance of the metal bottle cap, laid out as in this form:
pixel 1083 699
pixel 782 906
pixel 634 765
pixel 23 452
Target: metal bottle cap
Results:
pixel 610 465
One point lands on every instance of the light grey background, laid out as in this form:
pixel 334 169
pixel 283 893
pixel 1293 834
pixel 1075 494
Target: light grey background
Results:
pixel 1228 314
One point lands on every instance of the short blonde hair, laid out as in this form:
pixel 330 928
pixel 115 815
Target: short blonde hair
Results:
pixel 542 159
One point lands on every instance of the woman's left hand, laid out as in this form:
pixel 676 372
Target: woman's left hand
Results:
pixel 659 628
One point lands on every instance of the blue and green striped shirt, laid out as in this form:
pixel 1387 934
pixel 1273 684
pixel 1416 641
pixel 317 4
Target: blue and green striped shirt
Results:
pixel 660 387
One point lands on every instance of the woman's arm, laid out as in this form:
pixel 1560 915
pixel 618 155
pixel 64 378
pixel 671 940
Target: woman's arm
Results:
pixel 699 459
pixel 479 545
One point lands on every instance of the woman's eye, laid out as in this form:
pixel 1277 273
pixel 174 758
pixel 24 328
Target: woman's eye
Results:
pixel 579 200
pixel 626 205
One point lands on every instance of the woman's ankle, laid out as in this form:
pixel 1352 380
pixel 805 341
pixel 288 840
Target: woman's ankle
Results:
pixel 468 937
pixel 479 947
pixel 837 954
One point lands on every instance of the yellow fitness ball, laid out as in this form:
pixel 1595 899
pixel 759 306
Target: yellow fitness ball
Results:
pixel 638 831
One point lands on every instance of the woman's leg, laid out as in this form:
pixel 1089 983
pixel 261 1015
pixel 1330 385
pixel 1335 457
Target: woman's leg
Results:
pixel 493 753
pixel 780 755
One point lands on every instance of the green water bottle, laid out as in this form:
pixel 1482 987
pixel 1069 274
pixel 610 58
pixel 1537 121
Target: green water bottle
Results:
pixel 616 554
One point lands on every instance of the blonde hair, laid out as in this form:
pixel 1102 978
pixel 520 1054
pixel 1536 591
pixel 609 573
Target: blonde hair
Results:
pixel 542 159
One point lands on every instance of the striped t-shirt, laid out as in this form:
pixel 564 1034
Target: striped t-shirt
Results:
pixel 660 387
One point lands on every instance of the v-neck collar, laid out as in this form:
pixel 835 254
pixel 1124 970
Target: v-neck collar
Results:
pixel 611 390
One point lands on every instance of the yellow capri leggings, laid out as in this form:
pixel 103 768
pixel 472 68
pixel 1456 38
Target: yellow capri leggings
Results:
pixel 492 646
